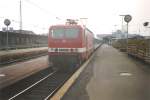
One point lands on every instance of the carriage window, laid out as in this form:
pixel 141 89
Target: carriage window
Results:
pixel 57 33
pixel 71 33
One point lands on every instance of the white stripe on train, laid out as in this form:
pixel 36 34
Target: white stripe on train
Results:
pixel 79 50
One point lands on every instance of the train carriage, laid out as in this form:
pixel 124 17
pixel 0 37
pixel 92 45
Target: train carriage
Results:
pixel 69 44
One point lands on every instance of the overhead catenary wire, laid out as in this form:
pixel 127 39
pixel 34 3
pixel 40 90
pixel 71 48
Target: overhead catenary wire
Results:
pixel 46 12
pixel 42 9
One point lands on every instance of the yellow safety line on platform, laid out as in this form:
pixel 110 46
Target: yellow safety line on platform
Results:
pixel 61 92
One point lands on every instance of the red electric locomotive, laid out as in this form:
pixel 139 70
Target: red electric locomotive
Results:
pixel 69 44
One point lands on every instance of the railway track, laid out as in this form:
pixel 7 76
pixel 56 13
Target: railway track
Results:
pixel 37 87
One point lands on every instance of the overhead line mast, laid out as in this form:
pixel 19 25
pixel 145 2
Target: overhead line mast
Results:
pixel 20 16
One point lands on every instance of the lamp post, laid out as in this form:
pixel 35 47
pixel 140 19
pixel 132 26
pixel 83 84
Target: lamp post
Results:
pixel 7 23
pixel 122 21
pixel 146 24
pixel 115 28
pixel 20 9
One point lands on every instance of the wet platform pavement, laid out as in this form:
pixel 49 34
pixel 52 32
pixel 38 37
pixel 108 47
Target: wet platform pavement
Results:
pixel 112 75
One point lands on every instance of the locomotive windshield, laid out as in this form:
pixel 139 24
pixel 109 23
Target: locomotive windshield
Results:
pixel 57 33
pixel 71 33
pixel 68 33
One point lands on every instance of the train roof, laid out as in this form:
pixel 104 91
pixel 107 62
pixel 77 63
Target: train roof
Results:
pixel 66 25
pixel 79 26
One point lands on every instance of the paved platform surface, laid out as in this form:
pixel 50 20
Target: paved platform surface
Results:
pixel 5 52
pixel 12 73
pixel 112 75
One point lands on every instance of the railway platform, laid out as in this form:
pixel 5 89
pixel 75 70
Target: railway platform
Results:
pixel 111 75
pixel 7 56
pixel 12 73
pixel 8 52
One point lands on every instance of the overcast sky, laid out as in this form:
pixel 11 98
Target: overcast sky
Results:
pixel 103 15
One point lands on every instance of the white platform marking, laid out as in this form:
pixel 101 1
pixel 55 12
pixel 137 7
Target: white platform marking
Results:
pixel 125 74
pixel 2 75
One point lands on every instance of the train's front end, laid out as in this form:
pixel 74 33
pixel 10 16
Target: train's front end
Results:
pixel 65 45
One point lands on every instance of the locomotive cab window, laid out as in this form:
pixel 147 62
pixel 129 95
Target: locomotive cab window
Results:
pixel 57 33
pixel 71 33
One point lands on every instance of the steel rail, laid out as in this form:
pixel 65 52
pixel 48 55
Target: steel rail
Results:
pixel 32 86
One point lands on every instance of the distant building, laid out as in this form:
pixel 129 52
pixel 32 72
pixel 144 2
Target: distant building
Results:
pixel 106 38
pixel 119 35
pixel 11 29
pixel 101 36
pixel 23 31
pixel 4 29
